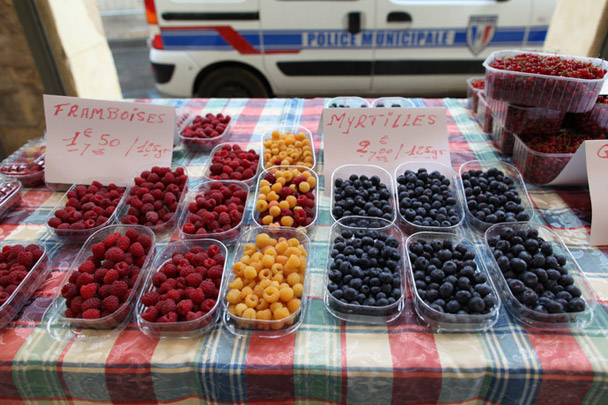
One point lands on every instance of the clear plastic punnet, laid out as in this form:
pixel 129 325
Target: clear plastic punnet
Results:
pixel 267 328
pixel 345 171
pixel 528 120
pixel 484 114
pixel 473 92
pixel 165 227
pixel 118 318
pixel 227 236
pixel 10 194
pixel 80 235
pixel 538 167
pixel 284 128
pixel 347 102
pixel 392 102
pixel 570 274
pixel 407 225
pixel 26 288
pixel 255 212
pixel 443 321
pixel 197 144
pixel 183 329
pixel 507 170
pixel 365 313
pixel 256 170
pixel 543 91
pixel 503 139
pixel 26 164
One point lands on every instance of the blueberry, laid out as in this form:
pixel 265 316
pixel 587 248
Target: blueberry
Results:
pixel 446 290
pixel 576 305
pixel 476 305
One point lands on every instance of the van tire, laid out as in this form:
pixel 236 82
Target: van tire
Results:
pixel 232 82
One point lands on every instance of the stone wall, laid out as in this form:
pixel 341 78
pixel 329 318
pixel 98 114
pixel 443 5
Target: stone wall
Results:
pixel 21 111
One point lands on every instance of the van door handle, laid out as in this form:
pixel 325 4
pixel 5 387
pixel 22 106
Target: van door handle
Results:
pixel 354 22
pixel 399 16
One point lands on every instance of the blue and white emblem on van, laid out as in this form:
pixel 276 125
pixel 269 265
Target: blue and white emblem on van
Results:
pixel 480 32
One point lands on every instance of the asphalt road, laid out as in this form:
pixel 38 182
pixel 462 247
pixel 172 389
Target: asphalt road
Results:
pixel 133 67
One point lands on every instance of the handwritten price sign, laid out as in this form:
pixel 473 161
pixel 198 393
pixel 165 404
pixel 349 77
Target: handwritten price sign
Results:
pixel 384 137
pixel 104 140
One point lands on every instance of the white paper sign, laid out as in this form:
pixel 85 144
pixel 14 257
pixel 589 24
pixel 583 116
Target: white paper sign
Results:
pixel 108 141
pixel 385 137
pixel 597 169
pixel 575 171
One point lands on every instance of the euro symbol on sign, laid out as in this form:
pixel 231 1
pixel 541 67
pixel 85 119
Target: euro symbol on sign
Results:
pixel 602 152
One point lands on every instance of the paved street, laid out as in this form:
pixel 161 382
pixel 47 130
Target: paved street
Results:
pixel 133 67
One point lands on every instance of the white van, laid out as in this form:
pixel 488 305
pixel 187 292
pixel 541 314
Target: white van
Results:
pixel 260 48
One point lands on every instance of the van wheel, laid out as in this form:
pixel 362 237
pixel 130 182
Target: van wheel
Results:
pixel 232 82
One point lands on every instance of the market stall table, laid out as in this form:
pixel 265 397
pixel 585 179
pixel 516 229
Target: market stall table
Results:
pixel 325 360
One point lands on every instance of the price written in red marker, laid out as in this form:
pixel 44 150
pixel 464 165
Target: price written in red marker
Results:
pixel 380 152
pixel 88 143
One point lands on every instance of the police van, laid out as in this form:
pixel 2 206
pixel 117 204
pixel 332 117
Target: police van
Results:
pixel 261 48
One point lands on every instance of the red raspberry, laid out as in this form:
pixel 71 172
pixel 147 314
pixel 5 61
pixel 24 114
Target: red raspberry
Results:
pixel 99 275
pixel 137 250
pixel 170 317
pixel 194 279
pixel 115 254
pixel 132 234
pixel 184 306
pixel 91 314
pixel 105 290
pixel 119 288
pixel 111 240
pixel 87 267
pixel 175 295
pixel 145 241
pixel 123 243
pixel 84 279
pixel 76 304
pixel 207 305
pixel 167 306
pixel 122 268
pixel 90 303
pixel 111 276
pixel 25 259
pixel 209 288
pixel 111 303
pixel 215 272
pixel 69 291
pixel 150 314
pixel 89 290
pixel 158 279
pixel 197 295
pixel 150 299
pixel 99 250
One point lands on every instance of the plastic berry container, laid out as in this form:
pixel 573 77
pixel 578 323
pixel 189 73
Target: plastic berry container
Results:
pixel 258 327
pixel 28 286
pixel 594 122
pixel 364 314
pixel 345 171
pixel 228 236
pixel 122 315
pixel 203 144
pixel 407 226
pixel 392 102
pixel 544 91
pixel 347 102
pixel 528 316
pixel 538 167
pixel 473 92
pixel 448 322
pixel 284 128
pixel 255 214
pixel 26 164
pixel 166 227
pixel 508 170
pixel 529 120
pixel 80 235
pixel 250 181
pixel 503 139
pixel 484 114
pixel 184 329
pixel 10 194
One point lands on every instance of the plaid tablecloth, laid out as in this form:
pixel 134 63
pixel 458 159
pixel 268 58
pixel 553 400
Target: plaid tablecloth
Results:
pixel 325 361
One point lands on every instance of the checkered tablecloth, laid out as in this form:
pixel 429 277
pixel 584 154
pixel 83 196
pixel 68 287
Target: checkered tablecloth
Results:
pixel 325 361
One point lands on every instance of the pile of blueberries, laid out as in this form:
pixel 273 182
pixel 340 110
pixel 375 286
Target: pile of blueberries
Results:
pixel 425 199
pixel 362 196
pixel 447 278
pixel 492 197
pixel 340 105
pixel 534 273
pixel 365 270
pixel 392 105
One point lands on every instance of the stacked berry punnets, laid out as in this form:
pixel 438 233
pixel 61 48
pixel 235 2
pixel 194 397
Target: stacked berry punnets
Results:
pixel 22 271
pixel 533 79
pixel 181 297
pixel 105 277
